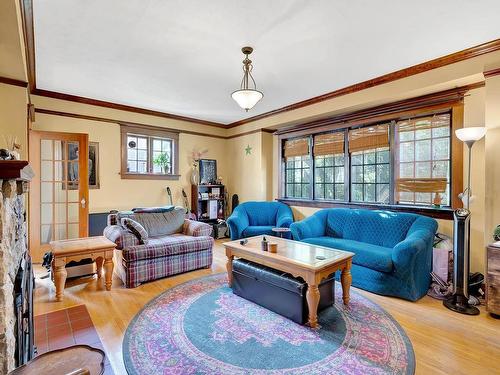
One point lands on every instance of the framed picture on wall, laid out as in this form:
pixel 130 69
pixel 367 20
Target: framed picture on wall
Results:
pixel 208 171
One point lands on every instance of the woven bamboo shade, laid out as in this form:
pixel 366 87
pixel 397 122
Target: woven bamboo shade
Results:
pixel 329 144
pixel 369 138
pixel 429 122
pixel 421 185
pixel 296 147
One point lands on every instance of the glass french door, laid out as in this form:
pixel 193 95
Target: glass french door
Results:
pixel 59 192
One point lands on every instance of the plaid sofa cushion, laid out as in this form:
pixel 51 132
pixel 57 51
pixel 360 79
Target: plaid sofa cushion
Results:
pixel 167 246
pixel 196 228
pixel 120 236
pixel 136 228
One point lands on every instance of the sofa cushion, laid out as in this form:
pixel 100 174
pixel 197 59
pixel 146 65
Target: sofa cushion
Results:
pixel 158 223
pixel 257 230
pixel 381 228
pixel 367 255
pixel 136 228
pixel 167 246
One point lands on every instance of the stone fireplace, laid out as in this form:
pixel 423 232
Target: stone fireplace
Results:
pixel 13 249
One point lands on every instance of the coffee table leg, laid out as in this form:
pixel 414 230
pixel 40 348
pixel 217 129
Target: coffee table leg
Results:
pixel 312 297
pixel 108 268
pixel 60 274
pixel 229 268
pixel 346 280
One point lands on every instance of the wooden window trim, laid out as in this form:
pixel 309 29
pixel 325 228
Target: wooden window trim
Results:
pixel 453 104
pixel 149 131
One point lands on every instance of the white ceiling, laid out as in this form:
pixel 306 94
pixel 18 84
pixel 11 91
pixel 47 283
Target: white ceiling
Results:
pixel 183 56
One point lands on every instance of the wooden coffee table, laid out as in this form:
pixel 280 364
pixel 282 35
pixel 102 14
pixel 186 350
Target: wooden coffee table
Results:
pixel 311 262
pixel 64 251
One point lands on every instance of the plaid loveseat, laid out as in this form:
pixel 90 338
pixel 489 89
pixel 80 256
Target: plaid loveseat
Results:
pixel 175 245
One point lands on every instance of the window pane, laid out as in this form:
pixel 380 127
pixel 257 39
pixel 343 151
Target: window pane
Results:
pixel 297 176
pixel 357 192
pixel 329 175
pixel 142 167
pixel 319 191
pixel 339 192
pixel 357 159
pixel 383 156
pixel 369 158
pixel 370 193
pixel 441 148
pixel 142 143
pixel 383 193
pixel 156 145
pixel 339 174
pixel 423 150
pixel 132 154
pixel 406 151
pixel 406 136
pixel 329 191
pixel 383 173
pixel 142 155
pixel 357 174
pixel 431 149
pixel 369 174
pixel 329 161
pixel 132 166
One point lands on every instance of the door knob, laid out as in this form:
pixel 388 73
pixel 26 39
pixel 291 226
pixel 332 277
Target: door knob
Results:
pixel 83 202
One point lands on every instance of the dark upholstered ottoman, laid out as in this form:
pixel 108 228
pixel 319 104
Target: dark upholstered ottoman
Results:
pixel 278 291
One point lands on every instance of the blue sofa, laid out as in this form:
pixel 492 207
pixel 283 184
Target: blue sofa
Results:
pixel 393 251
pixel 255 218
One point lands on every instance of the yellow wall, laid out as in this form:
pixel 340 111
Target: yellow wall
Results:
pixel 13 110
pixel 117 193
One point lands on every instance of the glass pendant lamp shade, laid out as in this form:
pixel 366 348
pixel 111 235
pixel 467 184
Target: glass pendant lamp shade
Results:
pixel 246 99
pixel 248 95
pixel 470 134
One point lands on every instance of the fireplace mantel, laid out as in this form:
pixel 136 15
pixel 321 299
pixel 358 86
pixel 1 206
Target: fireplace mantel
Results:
pixel 15 170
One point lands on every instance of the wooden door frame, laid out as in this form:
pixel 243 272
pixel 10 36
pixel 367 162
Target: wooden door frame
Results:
pixel 35 136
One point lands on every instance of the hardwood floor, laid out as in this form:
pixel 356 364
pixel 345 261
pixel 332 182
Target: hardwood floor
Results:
pixel 444 342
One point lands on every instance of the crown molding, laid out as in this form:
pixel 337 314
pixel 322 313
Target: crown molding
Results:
pixel 121 107
pixel 13 82
pixel 491 73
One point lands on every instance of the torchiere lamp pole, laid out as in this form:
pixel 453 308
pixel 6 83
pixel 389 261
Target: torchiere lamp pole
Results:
pixel 459 301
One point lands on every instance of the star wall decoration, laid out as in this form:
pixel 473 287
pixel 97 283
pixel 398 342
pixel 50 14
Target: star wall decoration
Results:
pixel 248 150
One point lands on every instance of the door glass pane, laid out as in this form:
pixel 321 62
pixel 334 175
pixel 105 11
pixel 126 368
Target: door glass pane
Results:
pixel 47 172
pixel 73 214
pixel 60 232
pixel 46 149
pixel 46 216
pixel 45 234
pixel 73 230
pixel 59 192
pixel 59 150
pixel 73 173
pixel 73 195
pixel 46 192
pixel 58 171
pixel 73 152
pixel 60 213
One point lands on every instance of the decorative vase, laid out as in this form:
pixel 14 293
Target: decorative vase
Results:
pixel 195 175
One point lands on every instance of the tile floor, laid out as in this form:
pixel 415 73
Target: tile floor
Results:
pixel 62 328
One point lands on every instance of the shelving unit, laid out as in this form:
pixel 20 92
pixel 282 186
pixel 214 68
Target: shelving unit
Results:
pixel 204 210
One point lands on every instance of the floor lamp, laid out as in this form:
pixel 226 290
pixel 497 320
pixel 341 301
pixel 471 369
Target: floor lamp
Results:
pixel 459 300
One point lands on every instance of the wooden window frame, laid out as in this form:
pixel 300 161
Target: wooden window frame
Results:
pixel 150 132
pixel 449 101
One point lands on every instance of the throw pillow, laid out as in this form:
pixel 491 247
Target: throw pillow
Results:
pixel 154 210
pixel 136 228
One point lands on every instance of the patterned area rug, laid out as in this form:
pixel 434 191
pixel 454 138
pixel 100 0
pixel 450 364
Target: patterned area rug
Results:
pixel 201 327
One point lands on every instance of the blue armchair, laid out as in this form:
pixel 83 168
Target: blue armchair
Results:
pixel 256 218
pixel 393 251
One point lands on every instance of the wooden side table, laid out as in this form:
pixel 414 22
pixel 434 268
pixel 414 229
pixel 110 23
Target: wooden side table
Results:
pixel 493 280
pixel 98 248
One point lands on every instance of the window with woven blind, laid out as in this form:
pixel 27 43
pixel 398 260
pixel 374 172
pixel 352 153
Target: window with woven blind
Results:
pixel 297 168
pixel 369 138
pixel 423 160
pixel 329 160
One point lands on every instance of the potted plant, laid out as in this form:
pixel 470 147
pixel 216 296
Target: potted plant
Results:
pixel 163 161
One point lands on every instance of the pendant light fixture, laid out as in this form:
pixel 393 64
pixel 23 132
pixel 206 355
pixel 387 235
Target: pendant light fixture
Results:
pixel 248 95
